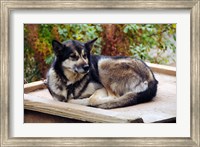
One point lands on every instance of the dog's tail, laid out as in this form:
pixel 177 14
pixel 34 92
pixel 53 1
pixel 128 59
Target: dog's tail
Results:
pixel 133 98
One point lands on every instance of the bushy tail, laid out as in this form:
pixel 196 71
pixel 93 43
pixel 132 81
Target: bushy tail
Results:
pixel 133 98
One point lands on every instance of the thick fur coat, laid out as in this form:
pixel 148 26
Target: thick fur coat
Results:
pixel 107 82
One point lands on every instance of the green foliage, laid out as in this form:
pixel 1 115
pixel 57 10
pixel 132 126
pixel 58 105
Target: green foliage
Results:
pixel 81 32
pixel 154 43
pixel 159 38
pixel 31 73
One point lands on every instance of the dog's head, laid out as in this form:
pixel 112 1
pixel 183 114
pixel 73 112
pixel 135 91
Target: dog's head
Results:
pixel 73 55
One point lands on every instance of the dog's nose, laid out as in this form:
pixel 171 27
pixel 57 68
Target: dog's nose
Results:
pixel 86 67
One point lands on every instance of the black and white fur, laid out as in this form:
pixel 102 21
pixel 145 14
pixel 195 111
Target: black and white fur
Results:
pixel 107 82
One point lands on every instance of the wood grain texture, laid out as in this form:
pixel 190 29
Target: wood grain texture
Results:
pixel 163 106
pixel 34 86
pixel 195 73
pixel 103 4
pixel 38 117
pixel 164 69
pixel 74 111
pixel 165 82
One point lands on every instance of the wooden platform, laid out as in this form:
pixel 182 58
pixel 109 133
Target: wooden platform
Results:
pixel 40 107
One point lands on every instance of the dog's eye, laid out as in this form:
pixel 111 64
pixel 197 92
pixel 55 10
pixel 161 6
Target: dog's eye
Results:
pixel 74 57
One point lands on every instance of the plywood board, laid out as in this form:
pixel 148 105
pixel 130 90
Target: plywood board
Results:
pixel 75 111
pixel 163 106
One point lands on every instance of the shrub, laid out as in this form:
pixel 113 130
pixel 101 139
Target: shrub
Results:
pixel 154 43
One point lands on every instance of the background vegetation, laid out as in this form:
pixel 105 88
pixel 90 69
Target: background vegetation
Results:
pixel 155 43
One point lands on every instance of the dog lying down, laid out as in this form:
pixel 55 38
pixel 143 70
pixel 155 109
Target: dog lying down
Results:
pixel 106 82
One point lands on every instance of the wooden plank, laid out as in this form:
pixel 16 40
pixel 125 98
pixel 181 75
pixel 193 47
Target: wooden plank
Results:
pixel 34 86
pixel 38 117
pixel 74 111
pixel 164 69
pixel 162 107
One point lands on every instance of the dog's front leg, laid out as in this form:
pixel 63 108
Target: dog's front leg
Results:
pixel 83 101
pixel 100 97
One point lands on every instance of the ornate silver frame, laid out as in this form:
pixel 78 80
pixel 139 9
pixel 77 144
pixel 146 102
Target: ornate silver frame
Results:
pixel 193 5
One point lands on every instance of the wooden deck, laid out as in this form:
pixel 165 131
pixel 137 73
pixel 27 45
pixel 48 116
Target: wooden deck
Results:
pixel 40 107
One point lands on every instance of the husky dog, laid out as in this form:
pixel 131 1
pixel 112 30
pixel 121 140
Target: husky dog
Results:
pixel 106 82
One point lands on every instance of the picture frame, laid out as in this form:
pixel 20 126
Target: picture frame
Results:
pixel 8 6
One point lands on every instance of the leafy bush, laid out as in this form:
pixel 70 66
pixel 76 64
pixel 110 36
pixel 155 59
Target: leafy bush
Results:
pixel 151 42
pixel 154 43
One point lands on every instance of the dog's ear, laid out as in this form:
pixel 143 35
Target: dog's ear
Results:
pixel 89 44
pixel 57 47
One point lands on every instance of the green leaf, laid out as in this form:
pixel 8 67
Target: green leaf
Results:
pixel 49 59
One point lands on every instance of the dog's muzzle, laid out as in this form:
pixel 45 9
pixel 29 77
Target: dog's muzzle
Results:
pixel 86 68
pixel 82 69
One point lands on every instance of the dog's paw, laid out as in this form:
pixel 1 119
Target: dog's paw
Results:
pixel 104 106
pixel 93 102
pixel 84 101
